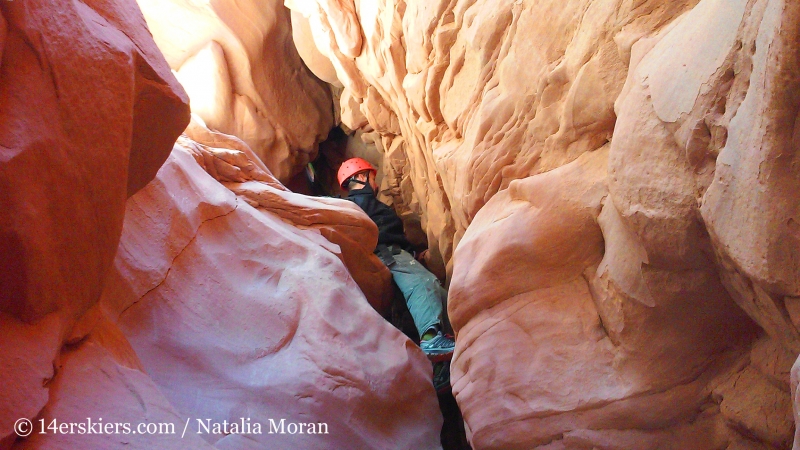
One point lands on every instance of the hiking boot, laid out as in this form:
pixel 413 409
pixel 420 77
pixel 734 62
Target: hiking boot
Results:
pixel 438 348
pixel 441 377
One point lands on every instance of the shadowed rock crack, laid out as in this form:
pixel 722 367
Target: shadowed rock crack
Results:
pixel 188 244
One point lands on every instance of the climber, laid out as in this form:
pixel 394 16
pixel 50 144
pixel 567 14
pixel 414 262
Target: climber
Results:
pixel 423 293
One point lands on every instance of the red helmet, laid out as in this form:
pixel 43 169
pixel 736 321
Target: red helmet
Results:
pixel 351 167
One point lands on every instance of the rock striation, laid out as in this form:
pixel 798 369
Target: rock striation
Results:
pixel 244 76
pixel 70 156
pixel 236 295
pixel 611 186
pixel 148 282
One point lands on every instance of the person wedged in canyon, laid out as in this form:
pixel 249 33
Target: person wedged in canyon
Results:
pixel 421 289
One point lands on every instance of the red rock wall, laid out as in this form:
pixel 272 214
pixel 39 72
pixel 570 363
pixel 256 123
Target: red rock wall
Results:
pixel 81 85
pixel 612 187
pixel 229 297
pixel 235 295
pixel 244 76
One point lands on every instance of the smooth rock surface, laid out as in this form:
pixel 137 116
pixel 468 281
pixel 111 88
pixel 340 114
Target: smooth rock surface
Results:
pixel 611 186
pixel 240 67
pixel 88 112
pixel 236 296
pixel 103 398
pixel 463 99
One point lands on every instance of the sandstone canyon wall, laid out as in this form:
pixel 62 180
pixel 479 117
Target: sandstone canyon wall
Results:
pixel 69 158
pixel 612 186
pixel 239 66
pixel 148 281
pixel 236 295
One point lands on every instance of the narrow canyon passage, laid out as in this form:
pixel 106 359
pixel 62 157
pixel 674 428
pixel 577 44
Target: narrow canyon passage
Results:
pixel 608 189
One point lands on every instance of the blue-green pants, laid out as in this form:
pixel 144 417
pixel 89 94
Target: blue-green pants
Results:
pixel 423 293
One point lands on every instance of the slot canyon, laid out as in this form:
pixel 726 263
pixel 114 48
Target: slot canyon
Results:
pixel 608 189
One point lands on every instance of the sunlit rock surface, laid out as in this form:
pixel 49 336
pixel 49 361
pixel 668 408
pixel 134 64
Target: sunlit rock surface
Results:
pixel 101 397
pixel 612 186
pixel 470 95
pixel 229 297
pixel 236 296
pixel 88 113
pixel 244 76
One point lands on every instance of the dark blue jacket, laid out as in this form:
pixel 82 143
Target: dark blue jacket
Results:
pixel 390 227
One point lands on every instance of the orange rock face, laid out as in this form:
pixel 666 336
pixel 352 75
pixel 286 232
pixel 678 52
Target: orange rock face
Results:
pixel 235 295
pixel 82 86
pixel 244 76
pixel 612 187
pixel 229 297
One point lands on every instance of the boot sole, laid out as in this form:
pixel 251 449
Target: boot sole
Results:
pixel 439 357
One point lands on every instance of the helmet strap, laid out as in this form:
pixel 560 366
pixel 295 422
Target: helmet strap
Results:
pixel 353 179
